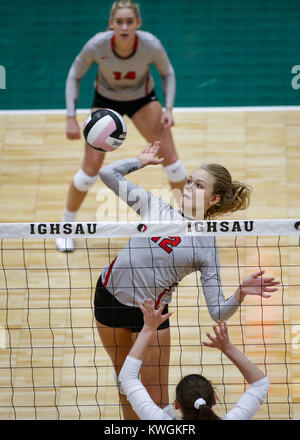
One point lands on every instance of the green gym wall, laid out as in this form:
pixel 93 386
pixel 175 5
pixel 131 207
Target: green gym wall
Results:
pixel 225 52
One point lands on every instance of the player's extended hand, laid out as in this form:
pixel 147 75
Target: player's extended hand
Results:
pixel 256 284
pixel 167 119
pixel 147 156
pixel 221 339
pixel 72 128
pixel 153 318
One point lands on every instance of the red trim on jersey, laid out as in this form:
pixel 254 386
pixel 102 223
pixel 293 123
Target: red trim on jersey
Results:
pixel 109 272
pixel 159 297
pixel 135 46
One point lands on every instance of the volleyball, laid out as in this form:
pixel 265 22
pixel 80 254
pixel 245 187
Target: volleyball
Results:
pixel 105 130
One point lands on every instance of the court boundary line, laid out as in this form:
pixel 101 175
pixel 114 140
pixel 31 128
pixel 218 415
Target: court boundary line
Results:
pixel 175 110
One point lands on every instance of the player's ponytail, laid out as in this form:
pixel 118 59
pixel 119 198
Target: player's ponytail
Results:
pixel 196 397
pixel 234 195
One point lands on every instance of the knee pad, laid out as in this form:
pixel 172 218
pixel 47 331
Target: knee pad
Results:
pixel 82 181
pixel 176 172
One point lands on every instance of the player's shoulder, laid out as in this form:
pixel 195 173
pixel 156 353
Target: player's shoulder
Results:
pixel 100 39
pixel 149 40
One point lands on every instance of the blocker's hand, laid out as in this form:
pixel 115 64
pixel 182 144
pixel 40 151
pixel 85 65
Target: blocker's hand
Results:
pixel 153 318
pixel 147 156
pixel 221 339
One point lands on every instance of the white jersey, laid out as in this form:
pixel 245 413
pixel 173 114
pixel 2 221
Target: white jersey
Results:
pixel 121 79
pixel 146 409
pixel 152 267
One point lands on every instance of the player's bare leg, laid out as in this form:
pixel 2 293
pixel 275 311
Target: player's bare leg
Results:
pixel 148 122
pixel 117 343
pixel 155 367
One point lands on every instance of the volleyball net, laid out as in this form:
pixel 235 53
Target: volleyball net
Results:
pixel 52 362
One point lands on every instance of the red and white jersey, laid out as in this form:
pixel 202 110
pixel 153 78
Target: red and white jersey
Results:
pixel 121 79
pixel 152 267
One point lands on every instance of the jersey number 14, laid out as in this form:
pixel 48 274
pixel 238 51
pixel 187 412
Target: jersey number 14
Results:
pixel 129 75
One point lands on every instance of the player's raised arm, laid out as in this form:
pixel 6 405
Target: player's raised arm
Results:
pixel 153 318
pixel 113 177
pixel 136 393
pixel 251 400
pixel 221 340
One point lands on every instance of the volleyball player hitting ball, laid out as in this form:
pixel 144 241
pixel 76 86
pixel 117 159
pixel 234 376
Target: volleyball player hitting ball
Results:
pixel 123 84
pixel 195 396
pixel 152 267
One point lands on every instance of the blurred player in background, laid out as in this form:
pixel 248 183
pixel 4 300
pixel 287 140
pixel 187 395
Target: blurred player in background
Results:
pixel 124 84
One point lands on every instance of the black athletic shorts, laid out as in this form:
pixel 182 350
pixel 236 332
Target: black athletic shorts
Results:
pixel 109 311
pixel 123 107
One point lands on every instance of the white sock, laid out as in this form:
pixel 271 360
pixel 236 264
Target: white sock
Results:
pixel 69 216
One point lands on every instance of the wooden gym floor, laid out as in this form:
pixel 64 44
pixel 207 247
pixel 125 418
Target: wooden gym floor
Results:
pixel 52 364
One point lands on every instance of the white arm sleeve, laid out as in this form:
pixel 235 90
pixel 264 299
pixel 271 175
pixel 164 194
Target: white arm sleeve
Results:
pixel 250 401
pixel 137 394
pixel 162 63
pixel 81 64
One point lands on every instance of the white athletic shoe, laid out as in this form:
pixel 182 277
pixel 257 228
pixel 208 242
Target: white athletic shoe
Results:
pixel 65 244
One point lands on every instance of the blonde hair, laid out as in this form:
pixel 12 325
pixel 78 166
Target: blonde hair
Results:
pixel 234 195
pixel 125 4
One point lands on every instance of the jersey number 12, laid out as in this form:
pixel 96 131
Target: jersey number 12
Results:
pixel 167 243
